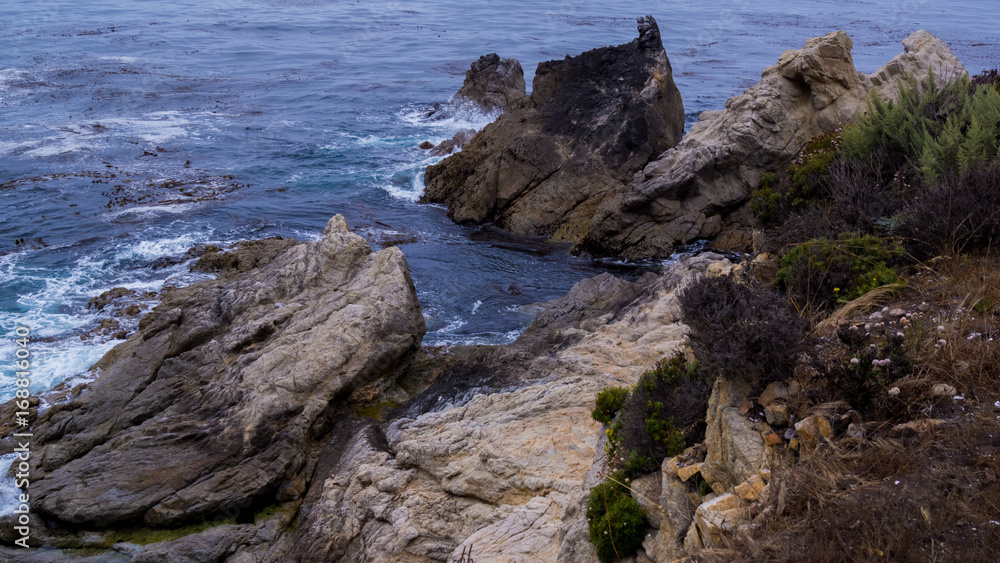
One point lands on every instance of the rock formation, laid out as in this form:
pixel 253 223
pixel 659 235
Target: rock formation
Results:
pixel 590 123
pixel 494 84
pixel 217 399
pixel 690 191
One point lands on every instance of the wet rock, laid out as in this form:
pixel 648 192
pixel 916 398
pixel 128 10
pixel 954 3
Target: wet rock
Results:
pixel 109 297
pixel 426 145
pixel 590 123
pixel 494 84
pixel 698 189
pixel 216 402
pixel 453 144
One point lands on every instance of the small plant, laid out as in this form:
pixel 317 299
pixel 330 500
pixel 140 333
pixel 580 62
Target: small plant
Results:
pixel 741 331
pixel 665 410
pixel 616 522
pixel 818 273
pixel 878 357
pixel 609 402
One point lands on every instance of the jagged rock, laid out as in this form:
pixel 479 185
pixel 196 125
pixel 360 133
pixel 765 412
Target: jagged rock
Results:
pixel 922 52
pixel 714 519
pixel 694 189
pixel 108 297
pixel 215 401
pixel 493 84
pixel 736 449
pixel 776 414
pixel 451 145
pixel 590 123
pixel 677 509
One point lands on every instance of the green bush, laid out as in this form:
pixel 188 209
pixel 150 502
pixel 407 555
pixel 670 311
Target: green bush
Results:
pixel 665 410
pixel 617 524
pixel 937 130
pixel 818 273
pixel 609 402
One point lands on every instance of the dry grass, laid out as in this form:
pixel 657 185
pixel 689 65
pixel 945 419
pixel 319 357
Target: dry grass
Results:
pixel 931 496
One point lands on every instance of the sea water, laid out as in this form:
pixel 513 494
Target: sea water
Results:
pixel 131 131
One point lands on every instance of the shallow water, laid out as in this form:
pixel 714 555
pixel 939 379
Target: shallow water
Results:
pixel 132 131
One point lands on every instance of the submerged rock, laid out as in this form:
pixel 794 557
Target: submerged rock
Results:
pixel 590 123
pixel 216 402
pixel 697 189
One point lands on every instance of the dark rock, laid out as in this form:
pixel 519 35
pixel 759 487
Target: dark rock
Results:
pixel 109 296
pixel 457 141
pixel 493 84
pixel 426 145
pixel 216 402
pixel 590 123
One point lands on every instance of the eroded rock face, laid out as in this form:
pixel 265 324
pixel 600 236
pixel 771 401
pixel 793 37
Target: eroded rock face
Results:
pixel 217 399
pixel 590 123
pixel 500 466
pixel 693 190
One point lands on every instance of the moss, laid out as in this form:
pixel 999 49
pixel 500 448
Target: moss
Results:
pixel 616 522
pixel 375 411
pixel 142 535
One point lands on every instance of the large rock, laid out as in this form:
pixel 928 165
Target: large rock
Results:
pixel 590 123
pixel 494 84
pixel 696 189
pixel 218 398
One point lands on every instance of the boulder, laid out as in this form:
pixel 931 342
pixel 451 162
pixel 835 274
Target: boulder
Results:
pixel 215 402
pixel 493 84
pixel 590 123
pixel 735 448
pixel 693 190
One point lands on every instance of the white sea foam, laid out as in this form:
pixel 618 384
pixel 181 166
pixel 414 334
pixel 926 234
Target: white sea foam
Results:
pixel 476 305
pixel 147 211
pixel 9 492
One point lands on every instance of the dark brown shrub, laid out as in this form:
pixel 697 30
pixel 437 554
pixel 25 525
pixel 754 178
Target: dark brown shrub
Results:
pixel 740 331
pixel 961 214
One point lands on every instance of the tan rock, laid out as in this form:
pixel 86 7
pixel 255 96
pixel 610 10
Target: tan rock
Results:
pixel 685 473
pixel 670 467
pixel 750 490
pixel 812 431
pixel 647 491
pixel 714 519
pixel 776 391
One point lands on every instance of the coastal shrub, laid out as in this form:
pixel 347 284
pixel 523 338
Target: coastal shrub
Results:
pixel 960 214
pixel 664 412
pixel 936 130
pixel 615 520
pixel 818 273
pixel 740 331
pixel 877 358
pixel 809 173
pixel 609 401
pixel 765 203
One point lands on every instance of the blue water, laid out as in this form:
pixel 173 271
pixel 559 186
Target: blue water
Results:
pixel 130 131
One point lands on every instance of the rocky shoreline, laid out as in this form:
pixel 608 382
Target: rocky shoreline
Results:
pixel 228 427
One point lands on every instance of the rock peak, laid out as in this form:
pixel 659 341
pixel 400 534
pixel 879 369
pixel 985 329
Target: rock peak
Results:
pixel 649 33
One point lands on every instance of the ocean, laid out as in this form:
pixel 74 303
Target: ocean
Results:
pixel 131 131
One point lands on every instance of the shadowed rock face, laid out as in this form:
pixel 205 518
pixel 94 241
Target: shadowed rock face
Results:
pixel 692 190
pixel 590 123
pixel 219 396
